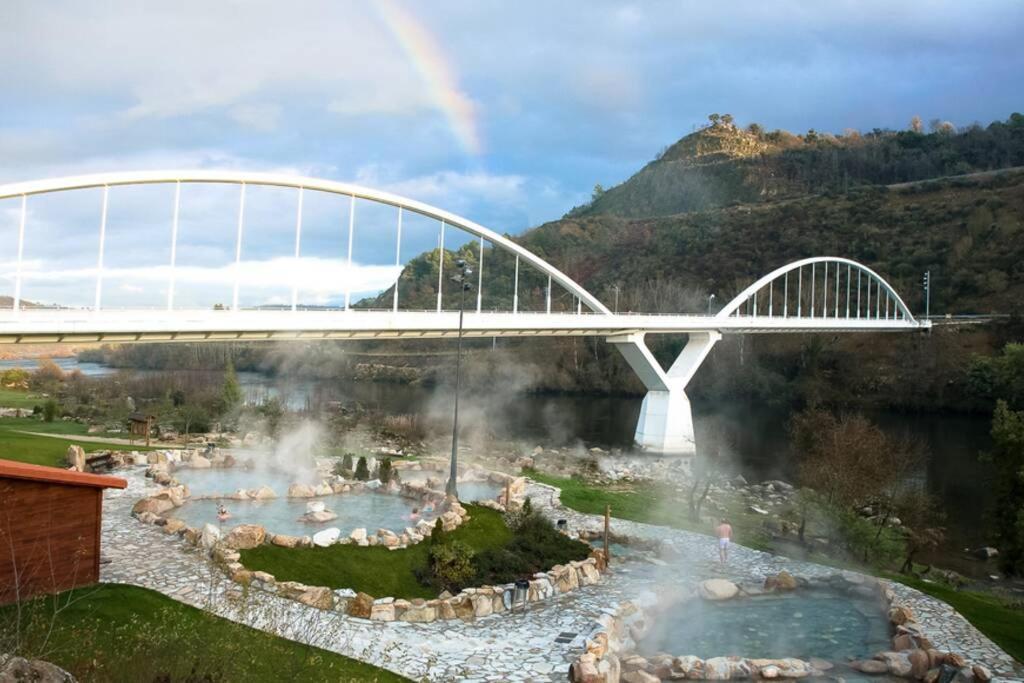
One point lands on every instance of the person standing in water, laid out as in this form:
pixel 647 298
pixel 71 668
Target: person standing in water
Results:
pixel 724 533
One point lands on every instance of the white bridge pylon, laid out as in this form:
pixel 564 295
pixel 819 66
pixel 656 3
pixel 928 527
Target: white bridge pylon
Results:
pixel 823 294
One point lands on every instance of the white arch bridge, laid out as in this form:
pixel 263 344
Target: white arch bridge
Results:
pixel 822 294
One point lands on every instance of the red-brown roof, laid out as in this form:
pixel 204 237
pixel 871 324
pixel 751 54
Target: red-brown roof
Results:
pixel 9 469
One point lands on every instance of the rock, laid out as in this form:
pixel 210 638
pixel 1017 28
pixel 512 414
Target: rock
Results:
pixel 897 663
pixel 318 517
pixel 301 491
pixel 955 660
pixel 870 666
pixel 783 581
pixel 419 615
pixel 245 537
pixel 75 458
pixel 327 537
pixel 482 605
pixel 286 541
pixel 360 606
pixel 315 506
pixel 239 494
pixel 769 672
pixel 717 668
pixel 19 669
pixel 900 614
pixel 262 493
pixel 983 553
pixel 982 673
pixel 756 510
pixel 919 663
pixel 932 676
pixel 173 526
pixel 200 463
pixel 903 641
pixel 358 535
pixel 717 589
pixel 381 611
pixel 209 536
pixel 157 506
pixel 639 676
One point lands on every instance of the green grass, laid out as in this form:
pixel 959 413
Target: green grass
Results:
pixel 374 570
pixel 17 398
pixel 123 633
pixel 43 450
pixel 989 614
pixel 650 504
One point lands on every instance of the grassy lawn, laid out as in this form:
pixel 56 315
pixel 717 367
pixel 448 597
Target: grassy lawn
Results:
pixel 651 504
pixel 374 570
pixel 16 398
pixel 42 450
pixel 989 614
pixel 123 633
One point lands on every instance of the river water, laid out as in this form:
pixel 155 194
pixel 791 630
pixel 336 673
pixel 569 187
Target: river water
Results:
pixel 759 442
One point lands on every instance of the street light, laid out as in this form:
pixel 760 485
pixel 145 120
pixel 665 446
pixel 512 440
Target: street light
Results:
pixel 451 488
pixel 711 297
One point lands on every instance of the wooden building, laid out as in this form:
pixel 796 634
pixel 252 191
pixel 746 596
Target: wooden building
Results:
pixel 49 528
pixel 140 424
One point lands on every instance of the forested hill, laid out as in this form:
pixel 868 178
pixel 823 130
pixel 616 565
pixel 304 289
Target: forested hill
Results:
pixel 723 164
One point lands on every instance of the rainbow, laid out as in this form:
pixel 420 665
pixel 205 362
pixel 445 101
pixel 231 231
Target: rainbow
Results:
pixel 433 66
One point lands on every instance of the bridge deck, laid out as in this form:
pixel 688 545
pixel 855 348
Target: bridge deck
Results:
pixel 76 325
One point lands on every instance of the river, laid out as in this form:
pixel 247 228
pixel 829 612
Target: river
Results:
pixel 760 446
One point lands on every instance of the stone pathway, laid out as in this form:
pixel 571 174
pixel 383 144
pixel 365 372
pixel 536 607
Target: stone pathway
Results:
pixel 536 644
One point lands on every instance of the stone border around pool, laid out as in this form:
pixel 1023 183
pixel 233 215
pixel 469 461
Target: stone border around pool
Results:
pixel 609 657
pixel 156 508
pixel 467 605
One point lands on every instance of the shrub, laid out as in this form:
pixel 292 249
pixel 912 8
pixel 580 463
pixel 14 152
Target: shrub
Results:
pixel 50 409
pixel 451 565
pixel 384 471
pixel 343 467
pixel 362 471
pixel 535 546
pixel 437 534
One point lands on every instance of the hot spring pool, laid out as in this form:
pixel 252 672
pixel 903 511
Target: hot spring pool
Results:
pixel 826 625
pixel 371 511
pixel 223 482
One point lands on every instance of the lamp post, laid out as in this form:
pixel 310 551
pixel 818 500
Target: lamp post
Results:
pixel 451 488
pixel 616 288
pixel 711 297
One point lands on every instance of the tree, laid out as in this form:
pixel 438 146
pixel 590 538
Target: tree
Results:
pixel 231 392
pixel 916 124
pixel 192 416
pixel 597 193
pixel 362 471
pixel 1008 515
pixel 727 119
pixel 714 119
pixel 384 471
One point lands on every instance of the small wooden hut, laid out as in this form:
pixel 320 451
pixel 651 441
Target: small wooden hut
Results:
pixel 49 529
pixel 140 424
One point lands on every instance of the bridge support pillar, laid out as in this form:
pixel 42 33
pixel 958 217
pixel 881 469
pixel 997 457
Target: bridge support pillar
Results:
pixel 666 423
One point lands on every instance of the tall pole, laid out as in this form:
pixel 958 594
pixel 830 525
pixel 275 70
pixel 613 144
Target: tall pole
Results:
pixel 927 294
pixel 452 488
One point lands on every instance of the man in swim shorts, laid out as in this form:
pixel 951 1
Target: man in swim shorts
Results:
pixel 724 533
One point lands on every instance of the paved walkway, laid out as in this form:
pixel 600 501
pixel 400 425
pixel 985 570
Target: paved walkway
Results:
pixel 534 645
pixel 85 438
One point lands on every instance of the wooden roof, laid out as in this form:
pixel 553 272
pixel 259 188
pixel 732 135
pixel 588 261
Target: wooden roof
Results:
pixel 141 417
pixel 9 469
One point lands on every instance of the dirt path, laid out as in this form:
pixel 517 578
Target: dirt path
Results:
pixel 101 439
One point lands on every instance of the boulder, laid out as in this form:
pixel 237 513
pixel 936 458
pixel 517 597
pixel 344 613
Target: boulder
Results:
pixel 75 458
pixel 245 537
pixel 382 611
pixel 900 614
pixel 173 526
pixel 717 589
pixel 919 664
pixel 239 494
pixel 717 668
pixel 639 676
pixel 209 536
pixel 687 667
pixel 262 493
pixel 18 669
pixel 358 535
pixel 360 606
pixel 981 673
pixel 286 541
pixel 419 615
pixel 291 589
pixel 870 666
pixel 315 506
pixel 157 506
pixel 983 553
pixel 327 537
pixel 783 581
pixel 318 517
pixel 317 596
pixel 323 489
pixel 200 463
pixel 301 491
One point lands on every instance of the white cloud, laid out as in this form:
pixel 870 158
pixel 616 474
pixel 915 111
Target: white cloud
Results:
pixel 261 117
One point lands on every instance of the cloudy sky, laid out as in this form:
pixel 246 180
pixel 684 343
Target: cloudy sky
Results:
pixel 507 113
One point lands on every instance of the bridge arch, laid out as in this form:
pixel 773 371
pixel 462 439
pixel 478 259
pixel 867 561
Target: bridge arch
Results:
pixel 842 294
pixel 122 178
